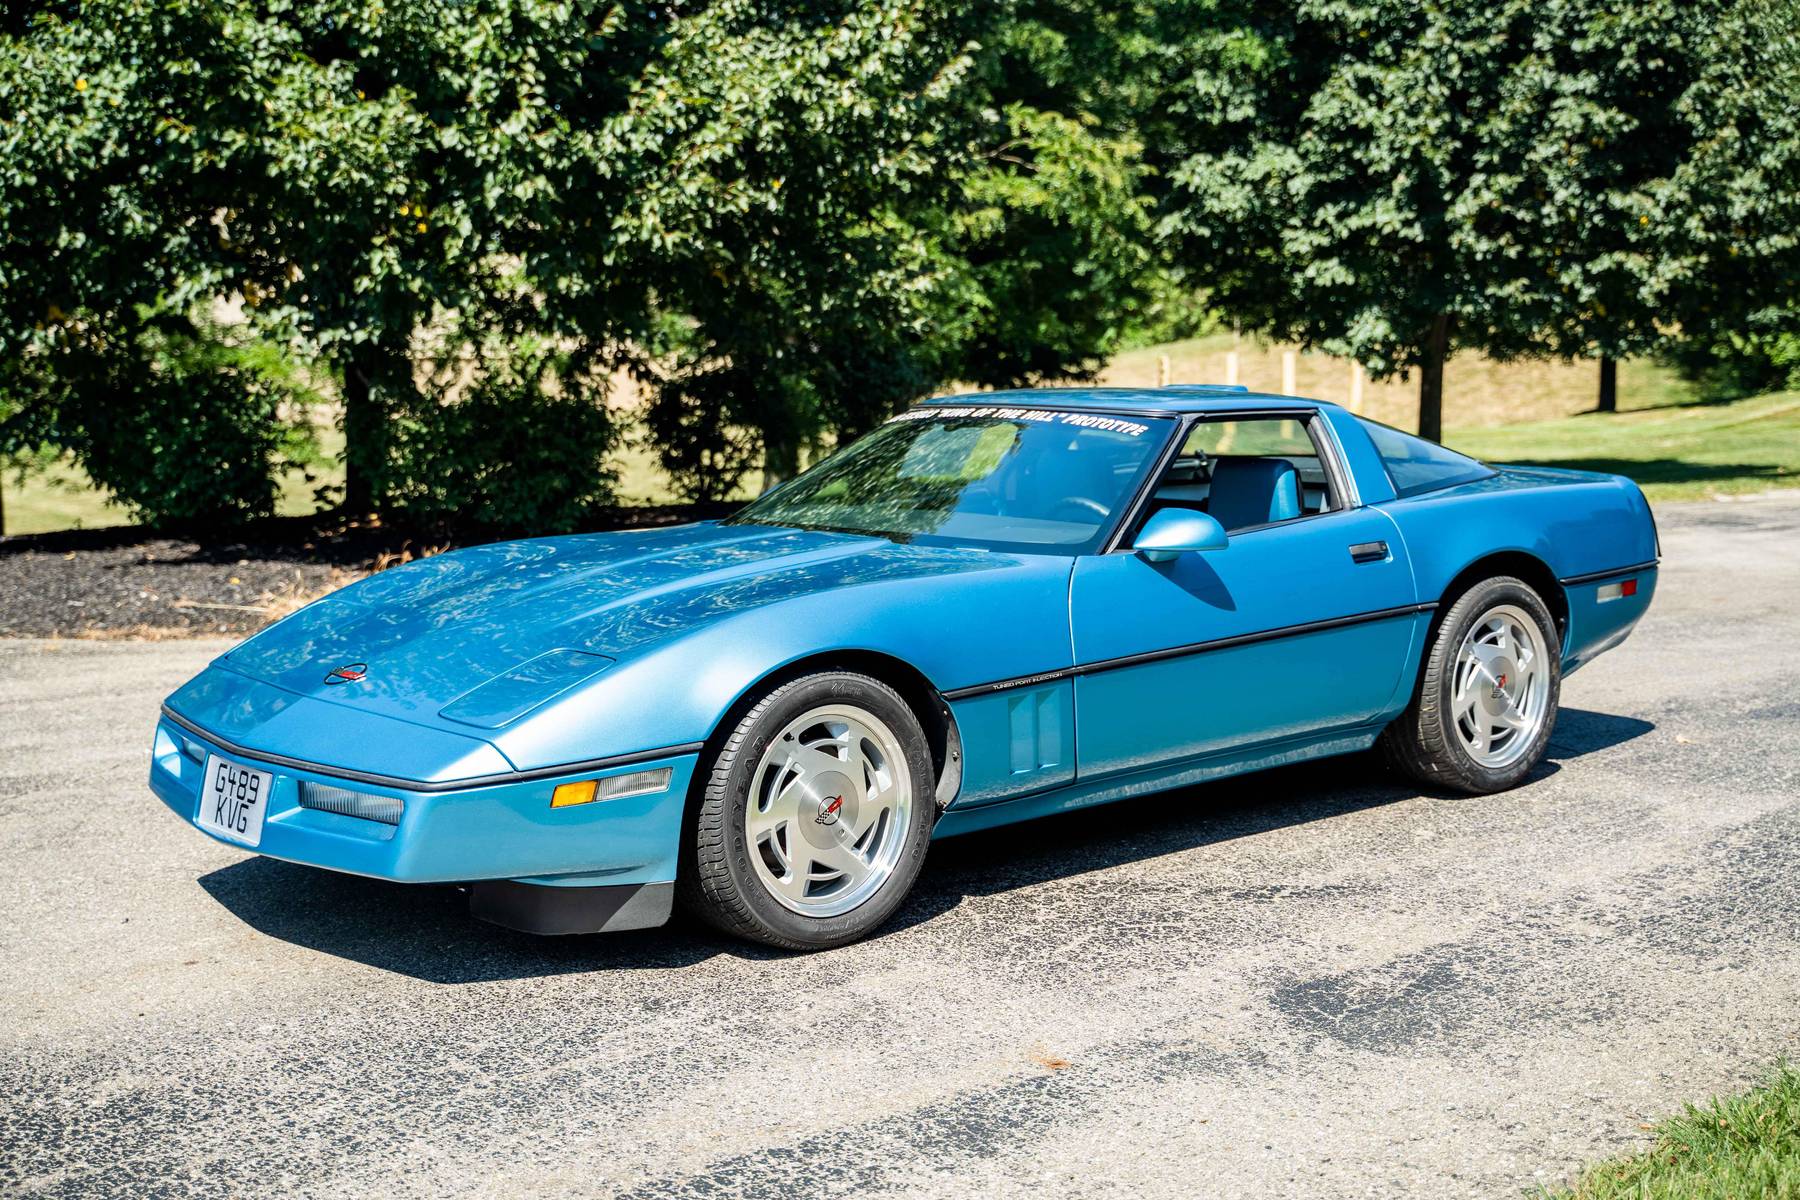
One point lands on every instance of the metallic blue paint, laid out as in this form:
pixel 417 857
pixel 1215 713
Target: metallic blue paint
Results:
pixel 1069 679
pixel 1173 531
pixel 1297 572
pixel 451 837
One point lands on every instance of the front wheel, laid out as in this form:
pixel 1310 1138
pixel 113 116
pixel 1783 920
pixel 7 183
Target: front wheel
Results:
pixel 1487 697
pixel 815 815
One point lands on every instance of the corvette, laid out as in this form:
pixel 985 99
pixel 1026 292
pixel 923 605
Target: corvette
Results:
pixel 991 608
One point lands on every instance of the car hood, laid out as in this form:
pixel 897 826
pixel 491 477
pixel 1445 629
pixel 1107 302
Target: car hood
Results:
pixel 481 636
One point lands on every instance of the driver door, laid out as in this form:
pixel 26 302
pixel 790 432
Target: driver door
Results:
pixel 1299 626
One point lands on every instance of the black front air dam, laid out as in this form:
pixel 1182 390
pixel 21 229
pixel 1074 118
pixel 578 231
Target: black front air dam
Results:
pixel 534 908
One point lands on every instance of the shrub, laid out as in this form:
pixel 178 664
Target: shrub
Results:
pixel 521 446
pixel 185 422
pixel 1730 366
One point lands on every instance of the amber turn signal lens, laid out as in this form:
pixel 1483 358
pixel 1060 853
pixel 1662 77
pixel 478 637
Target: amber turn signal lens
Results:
pixel 573 793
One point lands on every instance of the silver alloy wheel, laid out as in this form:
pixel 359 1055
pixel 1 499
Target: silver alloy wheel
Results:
pixel 1500 694
pixel 828 811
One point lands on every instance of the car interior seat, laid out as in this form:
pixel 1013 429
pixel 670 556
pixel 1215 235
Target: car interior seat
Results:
pixel 1253 491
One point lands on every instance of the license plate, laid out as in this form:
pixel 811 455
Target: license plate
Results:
pixel 233 799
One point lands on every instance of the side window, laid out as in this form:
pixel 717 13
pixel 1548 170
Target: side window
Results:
pixel 1249 471
pixel 1258 435
pixel 1416 465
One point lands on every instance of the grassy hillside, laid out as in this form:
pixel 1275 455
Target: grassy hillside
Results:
pixel 1477 391
pixel 1681 452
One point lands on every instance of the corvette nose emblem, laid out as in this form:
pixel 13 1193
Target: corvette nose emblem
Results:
pixel 828 810
pixel 348 673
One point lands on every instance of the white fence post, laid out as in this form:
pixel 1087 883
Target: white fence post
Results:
pixel 1287 372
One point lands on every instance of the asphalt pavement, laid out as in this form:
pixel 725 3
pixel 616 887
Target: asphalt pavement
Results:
pixel 1313 982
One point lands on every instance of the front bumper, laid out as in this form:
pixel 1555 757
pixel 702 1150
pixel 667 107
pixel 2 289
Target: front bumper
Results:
pixel 491 831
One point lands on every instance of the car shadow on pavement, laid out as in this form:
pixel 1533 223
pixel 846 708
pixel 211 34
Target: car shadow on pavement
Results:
pixel 425 931
pixel 1144 827
pixel 1579 731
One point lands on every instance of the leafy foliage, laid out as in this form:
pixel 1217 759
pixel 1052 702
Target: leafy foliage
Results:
pixel 882 210
pixel 515 446
pixel 183 421
pixel 1731 365
pixel 787 219
pixel 1392 182
pixel 358 177
pixel 779 155
pixel 1731 268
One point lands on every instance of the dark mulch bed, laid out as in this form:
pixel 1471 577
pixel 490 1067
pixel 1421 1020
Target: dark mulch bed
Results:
pixel 132 582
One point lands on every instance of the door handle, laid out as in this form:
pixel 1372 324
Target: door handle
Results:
pixel 1365 552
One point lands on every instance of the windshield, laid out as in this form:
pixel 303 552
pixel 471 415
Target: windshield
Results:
pixel 1011 478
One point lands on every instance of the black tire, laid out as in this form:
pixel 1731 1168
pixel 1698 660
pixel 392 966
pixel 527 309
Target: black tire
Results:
pixel 1421 743
pixel 717 882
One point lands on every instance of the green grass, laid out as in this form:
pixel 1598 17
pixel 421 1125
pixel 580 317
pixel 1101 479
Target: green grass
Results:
pixel 1678 452
pixel 1736 1147
pixel 60 497
pixel 63 497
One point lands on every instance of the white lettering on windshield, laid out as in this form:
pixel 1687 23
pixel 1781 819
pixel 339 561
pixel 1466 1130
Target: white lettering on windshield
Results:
pixel 1041 415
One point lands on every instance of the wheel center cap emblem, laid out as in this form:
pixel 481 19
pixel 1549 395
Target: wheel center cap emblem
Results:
pixel 348 673
pixel 829 807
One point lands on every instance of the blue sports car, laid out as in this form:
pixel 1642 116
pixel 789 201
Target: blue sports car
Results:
pixel 991 608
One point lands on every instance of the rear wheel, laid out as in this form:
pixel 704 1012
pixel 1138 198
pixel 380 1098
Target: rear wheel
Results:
pixel 815 815
pixel 1487 697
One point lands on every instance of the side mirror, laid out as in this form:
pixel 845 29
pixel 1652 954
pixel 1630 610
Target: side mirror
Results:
pixel 1172 531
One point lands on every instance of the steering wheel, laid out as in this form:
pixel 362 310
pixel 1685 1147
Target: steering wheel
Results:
pixel 1083 507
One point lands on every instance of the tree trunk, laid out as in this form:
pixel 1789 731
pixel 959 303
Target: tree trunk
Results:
pixel 2 500
pixel 1609 385
pixel 781 457
pixel 1431 379
pixel 365 430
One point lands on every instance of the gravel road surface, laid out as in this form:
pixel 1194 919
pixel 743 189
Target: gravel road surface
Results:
pixel 1313 982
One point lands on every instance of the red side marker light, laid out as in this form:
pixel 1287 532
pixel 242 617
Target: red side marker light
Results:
pixel 1628 588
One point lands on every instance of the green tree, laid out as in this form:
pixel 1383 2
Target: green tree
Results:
pixel 1729 268
pixel 787 219
pixel 773 151
pixel 109 345
pixel 889 202
pixel 427 182
pixel 382 186
pixel 1394 182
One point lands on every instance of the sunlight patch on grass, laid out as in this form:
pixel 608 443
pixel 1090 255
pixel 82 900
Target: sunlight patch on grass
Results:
pixel 1681 452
